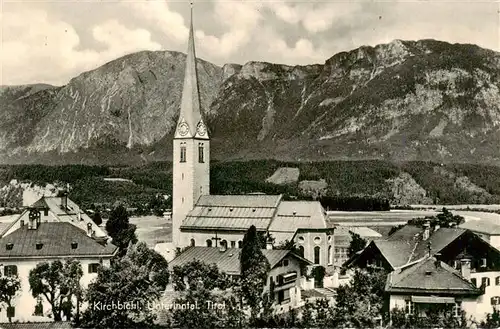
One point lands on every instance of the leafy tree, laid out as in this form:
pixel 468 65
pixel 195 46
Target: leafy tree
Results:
pixel 492 320
pixel 254 268
pixel 360 303
pixel 9 287
pixel 96 217
pixel 58 283
pixel 357 243
pixel 188 276
pixel 120 230
pixel 318 273
pixel 437 317
pixel 138 278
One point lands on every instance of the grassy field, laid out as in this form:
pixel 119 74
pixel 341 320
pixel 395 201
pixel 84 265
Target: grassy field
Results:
pixel 152 229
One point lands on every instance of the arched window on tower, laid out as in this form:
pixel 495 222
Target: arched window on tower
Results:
pixel 201 154
pixel 301 251
pixel 193 243
pixel 209 243
pixel 317 251
pixel 183 152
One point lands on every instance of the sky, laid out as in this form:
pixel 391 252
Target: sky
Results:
pixel 54 41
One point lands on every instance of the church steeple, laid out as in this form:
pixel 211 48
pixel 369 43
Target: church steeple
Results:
pixel 190 118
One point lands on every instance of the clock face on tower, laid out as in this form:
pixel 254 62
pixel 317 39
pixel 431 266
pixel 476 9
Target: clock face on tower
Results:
pixel 201 129
pixel 183 129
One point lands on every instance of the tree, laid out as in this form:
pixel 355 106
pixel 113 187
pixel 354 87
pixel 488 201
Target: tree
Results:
pixel 120 230
pixel 360 303
pixel 436 317
pixel 58 283
pixel 188 276
pixel 136 280
pixel 492 320
pixel 96 218
pixel 357 243
pixel 254 268
pixel 9 287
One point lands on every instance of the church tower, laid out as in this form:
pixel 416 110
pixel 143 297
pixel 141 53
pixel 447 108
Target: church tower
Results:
pixel 191 158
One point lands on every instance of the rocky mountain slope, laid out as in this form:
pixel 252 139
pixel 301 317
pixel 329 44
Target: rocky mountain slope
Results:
pixel 406 100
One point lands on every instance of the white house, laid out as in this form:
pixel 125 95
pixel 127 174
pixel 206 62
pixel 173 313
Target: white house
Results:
pixel 30 243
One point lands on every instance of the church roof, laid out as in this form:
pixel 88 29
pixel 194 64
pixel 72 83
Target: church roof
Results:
pixel 56 239
pixel 429 276
pixel 227 261
pixel 294 215
pixel 235 212
pixel 482 226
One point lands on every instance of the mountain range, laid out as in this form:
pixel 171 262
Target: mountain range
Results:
pixel 402 101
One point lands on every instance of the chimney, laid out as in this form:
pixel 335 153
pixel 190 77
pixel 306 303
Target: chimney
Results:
pixel 22 222
pixel 89 229
pixel 64 200
pixel 437 262
pixel 465 267
pixel 436 227
pixel 427 231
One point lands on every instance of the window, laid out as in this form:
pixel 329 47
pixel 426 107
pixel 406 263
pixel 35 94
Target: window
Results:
pixel 317 251
pixel 473 281
pixel 484 262
pixel 10 270
pixel 456 310
pixel 193 243
pixel 485 282
pixel 182 176
pixel 317 240
pixel 330 260
pixel 9 246
pixel 38 307
pixel 497 281
pixel 240 244
pixel 301 251
pixel 233 244
pixel 409 307
pixel 183 153
pixel 285 262
pixel 74 245
pixel 223 243
pixel 209 243
pixel 46 212
pixel 93 267
pixel 201 155
pixel 39 246
pixel 495 302
pixel 286 296
pixel 301 239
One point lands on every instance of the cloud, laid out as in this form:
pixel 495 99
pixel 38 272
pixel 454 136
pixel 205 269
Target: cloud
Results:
pixel 39 49
pixel 240 18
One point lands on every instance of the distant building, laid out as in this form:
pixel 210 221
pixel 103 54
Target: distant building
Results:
pixel 343 237
pixel 28 244
pixel 56 209
pixel 201 219
pixel 486 229
pixel 285 274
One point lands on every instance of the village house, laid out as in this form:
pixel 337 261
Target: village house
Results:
pixel 48 234
pixel 286 278
pixel 488 230
pixel 406 255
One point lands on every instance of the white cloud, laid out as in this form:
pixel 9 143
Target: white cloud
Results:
pixel 38 49
pixel 241 18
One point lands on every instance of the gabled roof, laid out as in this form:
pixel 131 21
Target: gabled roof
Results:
pixel 429 276
pixel 482 226
pixel 407 245
pixel 227 261
pixel 235 212
pixel 56 239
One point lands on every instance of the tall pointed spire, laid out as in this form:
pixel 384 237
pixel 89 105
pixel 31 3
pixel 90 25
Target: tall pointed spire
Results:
pixel 190 113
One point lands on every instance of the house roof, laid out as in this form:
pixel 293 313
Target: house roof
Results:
pixel 72 213
pixel 482 226
pixel 56 238
pixel 227 261
pixel 232 212
pixel 407 245
pixel 365 232
pixel 429 276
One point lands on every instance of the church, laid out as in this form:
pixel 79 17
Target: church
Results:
pixel 204 220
